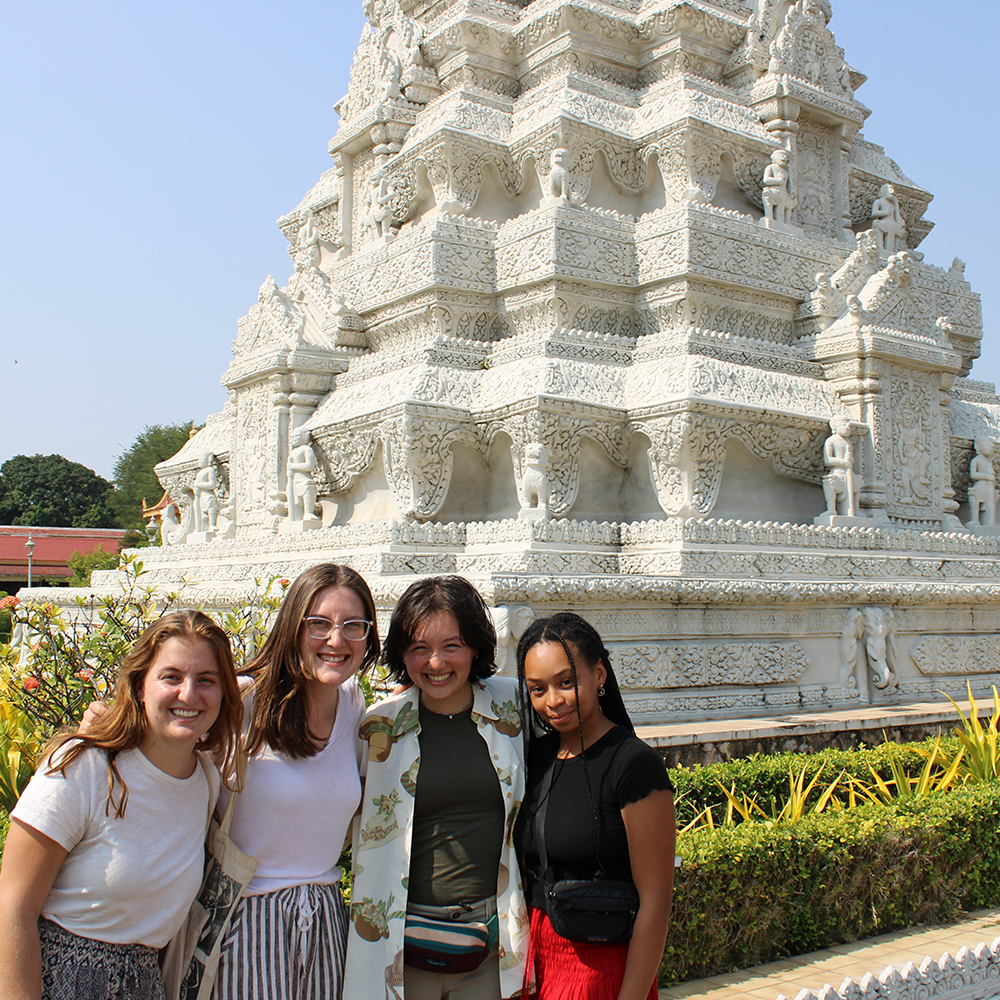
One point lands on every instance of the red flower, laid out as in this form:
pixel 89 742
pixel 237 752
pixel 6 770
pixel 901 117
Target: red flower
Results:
pixel 284 582
pixel 85 675
pixel 31 683
pixel 9 602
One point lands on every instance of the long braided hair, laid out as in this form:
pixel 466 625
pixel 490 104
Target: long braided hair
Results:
pixel 575 635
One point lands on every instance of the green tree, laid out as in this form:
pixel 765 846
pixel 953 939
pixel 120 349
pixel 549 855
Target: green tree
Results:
pixel 84 563
pixel 135 480
pixel 52 491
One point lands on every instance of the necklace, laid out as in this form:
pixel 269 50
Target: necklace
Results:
pixel 449 715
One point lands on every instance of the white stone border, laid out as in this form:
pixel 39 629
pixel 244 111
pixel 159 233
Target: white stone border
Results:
pixel 969 975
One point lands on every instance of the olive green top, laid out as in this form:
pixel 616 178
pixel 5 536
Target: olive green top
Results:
pixel 458 814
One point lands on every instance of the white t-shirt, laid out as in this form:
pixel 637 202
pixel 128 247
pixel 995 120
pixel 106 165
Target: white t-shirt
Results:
pixel 128 880
pixel 294 813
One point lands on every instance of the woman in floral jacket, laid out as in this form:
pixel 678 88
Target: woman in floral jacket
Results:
pixel 434 847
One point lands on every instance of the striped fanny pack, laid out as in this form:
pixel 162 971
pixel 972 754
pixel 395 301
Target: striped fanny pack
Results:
pixel 449 939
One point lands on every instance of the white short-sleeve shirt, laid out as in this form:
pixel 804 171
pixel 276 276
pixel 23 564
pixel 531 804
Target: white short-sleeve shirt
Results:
pixel 293 814
pixel 128 880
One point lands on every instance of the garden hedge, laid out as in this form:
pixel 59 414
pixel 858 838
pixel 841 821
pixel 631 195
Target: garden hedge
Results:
pixel 756 892
pixel 766 777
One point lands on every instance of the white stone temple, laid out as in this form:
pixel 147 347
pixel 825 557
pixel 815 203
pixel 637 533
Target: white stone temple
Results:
pixel 609 305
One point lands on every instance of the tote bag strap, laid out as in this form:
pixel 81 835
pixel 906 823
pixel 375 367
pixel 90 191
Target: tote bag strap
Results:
pixel 207 767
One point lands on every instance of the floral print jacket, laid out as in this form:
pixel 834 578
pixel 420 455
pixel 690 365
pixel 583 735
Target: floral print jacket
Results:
pixel 389 732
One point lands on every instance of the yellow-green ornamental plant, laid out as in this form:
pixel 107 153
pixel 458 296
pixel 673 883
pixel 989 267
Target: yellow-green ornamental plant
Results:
pixel 792 809
pixel 19 743
pixel 937 775
pixel 978 758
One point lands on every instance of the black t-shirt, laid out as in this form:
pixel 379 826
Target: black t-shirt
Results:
pixel 622 769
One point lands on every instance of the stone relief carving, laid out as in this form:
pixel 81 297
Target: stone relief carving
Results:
pixel 804 48
pixel 661 665
pixel 956 654
pixel 388 57
pixel 913 460
pixel 874 628
pixel 689 450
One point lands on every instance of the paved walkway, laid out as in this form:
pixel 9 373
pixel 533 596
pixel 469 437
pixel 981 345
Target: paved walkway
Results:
pixel 939 712
pixel 815 970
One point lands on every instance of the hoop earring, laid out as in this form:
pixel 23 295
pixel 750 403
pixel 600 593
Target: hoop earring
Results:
pixel 600 691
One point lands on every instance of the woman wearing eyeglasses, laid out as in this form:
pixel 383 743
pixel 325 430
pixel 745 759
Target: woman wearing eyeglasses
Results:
pixel 288 935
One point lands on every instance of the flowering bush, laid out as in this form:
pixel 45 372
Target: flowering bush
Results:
pixel 59 662
pixel 6 604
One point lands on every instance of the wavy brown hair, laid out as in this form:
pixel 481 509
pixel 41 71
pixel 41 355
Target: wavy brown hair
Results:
pixel 279 716
pixel 124 725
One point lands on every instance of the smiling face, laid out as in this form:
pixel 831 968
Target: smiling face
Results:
pixel 182 693
pixel 438 662
pixel 332 660
pixel 549 678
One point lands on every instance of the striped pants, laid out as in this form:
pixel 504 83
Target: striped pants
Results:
pixel 285 945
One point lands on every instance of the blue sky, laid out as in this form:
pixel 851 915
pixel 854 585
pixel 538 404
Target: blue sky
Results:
pixel 149 149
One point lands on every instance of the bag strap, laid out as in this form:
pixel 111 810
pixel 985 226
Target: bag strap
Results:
pixel 227 816
pixel 545 874
pixel 539 819
pixel 202 759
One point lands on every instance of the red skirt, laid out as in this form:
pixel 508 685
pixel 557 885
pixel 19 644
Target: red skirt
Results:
pixel 569 970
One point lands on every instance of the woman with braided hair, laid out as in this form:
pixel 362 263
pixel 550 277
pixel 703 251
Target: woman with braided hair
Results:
pixel 589 762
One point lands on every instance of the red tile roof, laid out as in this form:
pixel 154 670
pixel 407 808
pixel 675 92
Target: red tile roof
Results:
pixel 53 547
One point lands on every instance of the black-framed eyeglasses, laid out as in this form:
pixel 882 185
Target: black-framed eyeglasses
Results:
pixel 322 628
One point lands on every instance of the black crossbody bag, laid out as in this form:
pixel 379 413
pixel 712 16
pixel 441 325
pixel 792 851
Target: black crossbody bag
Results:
pixel 588 911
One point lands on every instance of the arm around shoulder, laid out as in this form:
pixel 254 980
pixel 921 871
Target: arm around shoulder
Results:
pixel 31 862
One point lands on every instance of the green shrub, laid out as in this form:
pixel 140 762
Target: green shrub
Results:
pixel 83 564
pixel 766 777
pixel 757 892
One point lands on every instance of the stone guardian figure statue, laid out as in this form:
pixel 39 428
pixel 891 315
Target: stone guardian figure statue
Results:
pixel 887 221
pixel 983 485
pixel 778 200
pixel 840 484
pixel 302 489
pixel 205 505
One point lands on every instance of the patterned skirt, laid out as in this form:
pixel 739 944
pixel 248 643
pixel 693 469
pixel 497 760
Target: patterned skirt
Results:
pixel 79 968
pixel 570 970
